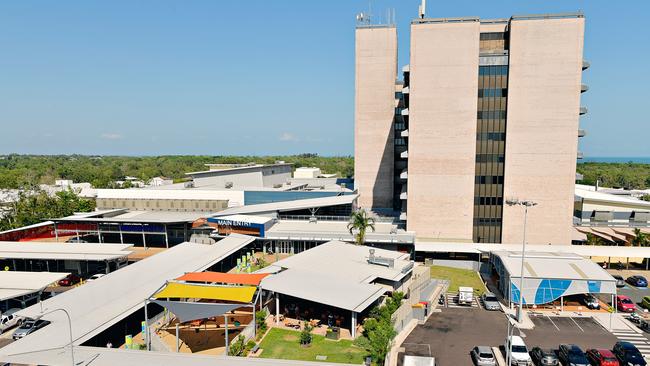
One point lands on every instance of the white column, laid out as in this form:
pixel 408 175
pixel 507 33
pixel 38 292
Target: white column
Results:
pixel 353 330
pixel 178 344
pixel 146 326
pixel 562 303
pixel 166 237
pixel 144 239
pixel 225 317
pixel 277 308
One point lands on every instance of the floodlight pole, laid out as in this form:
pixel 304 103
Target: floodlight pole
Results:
pixel 69 326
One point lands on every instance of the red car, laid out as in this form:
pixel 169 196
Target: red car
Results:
pixel 602 357
pixel 625 304
pixel 70 280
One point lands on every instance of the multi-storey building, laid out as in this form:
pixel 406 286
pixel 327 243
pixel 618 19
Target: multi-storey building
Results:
pixel 488 110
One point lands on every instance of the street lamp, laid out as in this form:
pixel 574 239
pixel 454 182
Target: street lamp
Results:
pixel 69 325
pixel 520 309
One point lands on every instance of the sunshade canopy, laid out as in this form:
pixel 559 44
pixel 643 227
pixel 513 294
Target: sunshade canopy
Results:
pixel 230 278
pixel 188 311
pixel 243 294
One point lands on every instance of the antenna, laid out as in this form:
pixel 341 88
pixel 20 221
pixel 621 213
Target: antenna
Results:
pixel 422 9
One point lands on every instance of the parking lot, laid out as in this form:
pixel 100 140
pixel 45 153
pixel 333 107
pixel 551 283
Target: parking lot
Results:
pixel 451 334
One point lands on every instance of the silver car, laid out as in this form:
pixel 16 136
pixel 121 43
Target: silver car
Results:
pixel 29 327
pixel 483 356
pixel 490 301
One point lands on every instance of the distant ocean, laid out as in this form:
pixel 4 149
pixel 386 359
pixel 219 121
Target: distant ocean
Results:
pixel 602 159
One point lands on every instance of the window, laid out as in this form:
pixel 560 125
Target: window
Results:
pixel 490 158
pixel 493 93
pixel 491 36
pixel 491 114
pixel 400 142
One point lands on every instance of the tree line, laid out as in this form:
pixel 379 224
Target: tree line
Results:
pixel 617 175
pixel 22 171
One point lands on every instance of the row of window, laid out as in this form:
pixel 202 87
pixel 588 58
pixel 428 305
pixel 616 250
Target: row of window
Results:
pixel 488 201
pixel 490 158
pixel 488 179
pixel 487 222
pixel 400 141
pixel 489 36
pixel 399 126
pixel 493 70
pixel 491 114
pixel 487 93
pixel 491 136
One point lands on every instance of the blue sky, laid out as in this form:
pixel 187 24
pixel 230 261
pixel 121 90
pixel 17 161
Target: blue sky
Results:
pixel 255 77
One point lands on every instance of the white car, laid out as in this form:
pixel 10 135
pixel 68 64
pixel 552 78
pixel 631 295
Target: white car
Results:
pixel 8 320
pixel 95 277
pixel 519 355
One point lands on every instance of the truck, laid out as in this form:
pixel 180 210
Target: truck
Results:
pixel 465 296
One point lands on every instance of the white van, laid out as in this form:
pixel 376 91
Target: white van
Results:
pixel 519 355
pixel 9 320
pixel 465 295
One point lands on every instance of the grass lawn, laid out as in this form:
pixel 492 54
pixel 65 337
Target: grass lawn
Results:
pixel 285 344
pixel 459 277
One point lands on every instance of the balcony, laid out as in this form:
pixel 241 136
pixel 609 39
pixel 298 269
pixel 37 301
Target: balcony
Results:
pixel 403 195
pixel 402 216
pixel 582 133
pixel 405 112
pixel 406 68
pixel 405 90
pixel 404 155
pixel 583 88
pixel 583 110
pixel 580 155
pixel 405 133
pixel 404 174
pixel 585 65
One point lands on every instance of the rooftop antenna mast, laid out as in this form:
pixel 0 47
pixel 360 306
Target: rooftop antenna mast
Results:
pixel 364 18
pixel 422 9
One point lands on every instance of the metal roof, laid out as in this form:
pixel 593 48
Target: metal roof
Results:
pixel 15 283
pixel 337 274
pixel 583 250
pixel 170 194
pixel 97 305
pixel 551 265
pixel 149 217
pixel 385 232
pixel 63 251
pixel 290 205
pixel 609 198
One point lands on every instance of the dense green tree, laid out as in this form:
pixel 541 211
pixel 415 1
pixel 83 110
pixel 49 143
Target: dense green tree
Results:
pixel 594 240
pixel 646 197
pixel 619 175
pixel 36 206
pixel 640 239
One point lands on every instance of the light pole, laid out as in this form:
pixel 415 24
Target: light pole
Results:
pixel 69 326
pixel 520 308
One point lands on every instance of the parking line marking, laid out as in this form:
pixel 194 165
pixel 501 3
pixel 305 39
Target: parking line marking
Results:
pixel 552 322
pixel 577 325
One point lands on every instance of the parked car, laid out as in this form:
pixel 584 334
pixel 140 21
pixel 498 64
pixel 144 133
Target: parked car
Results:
pixel 625 304
pixel 483 356
pixel 76 239
pixel 465 295
pixel 602 357
pixel 520 356
pixel 637 281
pixel 620 282
pixel 628 354
pixel 8 320
pixel 570 354
pixel 29 327
pixel 542 357
pixel 645 302
pixel 490 301
pixel 96 276
pixel 70 280
pixel 591 302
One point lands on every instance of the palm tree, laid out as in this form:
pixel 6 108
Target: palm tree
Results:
pixel 594 240
pixel 360 222
pixel 640 239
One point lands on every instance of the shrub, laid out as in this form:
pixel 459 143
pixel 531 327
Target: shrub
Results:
pixel 378 330
pixel 305 335
pixel 238 347
pixel 260 319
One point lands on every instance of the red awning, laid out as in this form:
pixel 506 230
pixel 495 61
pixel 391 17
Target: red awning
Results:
pixel 230 278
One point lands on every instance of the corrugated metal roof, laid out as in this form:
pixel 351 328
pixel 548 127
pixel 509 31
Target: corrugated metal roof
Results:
pixel 218 277
pixel 290 205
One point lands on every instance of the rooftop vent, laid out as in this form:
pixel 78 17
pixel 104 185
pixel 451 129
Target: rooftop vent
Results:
pixel 381 261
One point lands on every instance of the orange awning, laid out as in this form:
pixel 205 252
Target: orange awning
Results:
pixel 229 278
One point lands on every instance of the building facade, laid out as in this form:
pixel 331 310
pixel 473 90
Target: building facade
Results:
pixel 487 110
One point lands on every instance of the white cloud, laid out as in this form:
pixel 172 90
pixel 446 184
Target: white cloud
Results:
pixel 286 136
pixel 111 136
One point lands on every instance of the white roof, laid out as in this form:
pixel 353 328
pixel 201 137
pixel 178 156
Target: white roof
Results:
pixel 14 283
pixel 337 274
pixel 40 224
pixel 387 232
pixel 151 217
pixel 609 198
pixel 552 265
pixel 170 194
pixel 62 251
pixel 582 250
pixel 290 205
pixel 97 305
pixel 102 356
